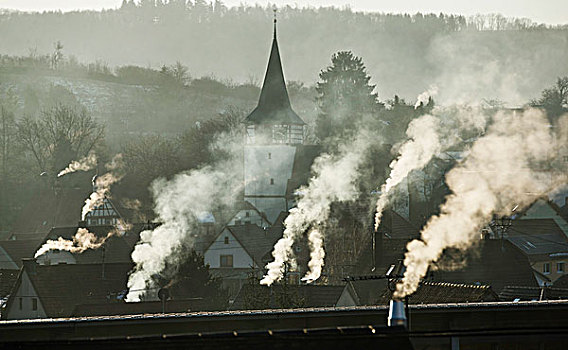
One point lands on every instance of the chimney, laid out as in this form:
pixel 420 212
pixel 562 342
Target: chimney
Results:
pixel 397 314
pixel 385 228
pixel 30 265
pixel 82 224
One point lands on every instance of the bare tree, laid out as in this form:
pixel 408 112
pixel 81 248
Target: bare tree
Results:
pixel 60 127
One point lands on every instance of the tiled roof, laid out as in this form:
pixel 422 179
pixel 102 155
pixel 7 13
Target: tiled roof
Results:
pixel 255 240
pixel 510 293
pixel 21 249
pixel 541 244
pixel 442 292
pixel 533 227
pixel 146 307
pixel 7 280
pixel 307 295
pixel 61 287
pixel 491 262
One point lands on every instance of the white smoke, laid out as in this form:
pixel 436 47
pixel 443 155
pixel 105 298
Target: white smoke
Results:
pixel 513 164
pixel 317 255
pixel 82 240
pixel 102 185
pixel 179 203
pixel 84 164
pixel 424 97
pixel 422 145
pixel 334 181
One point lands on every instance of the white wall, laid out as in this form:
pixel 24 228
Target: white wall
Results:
pixel 213 254
pixel 54 257
pixel 265 162
pixel 27 293
pixel 252 218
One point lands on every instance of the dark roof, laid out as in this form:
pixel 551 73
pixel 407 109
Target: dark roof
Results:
pixel 255 240
pixel 7 280
pixel 144 307
pixel 491 262
pixel 544 245
pixel 534 227
pixel 532 293
pixel 494 263
pixel 442 292
pixel 274 104
pixel 306 295
pixel 561 282
pixel 117 248
pixel 61 287
pixel 21 249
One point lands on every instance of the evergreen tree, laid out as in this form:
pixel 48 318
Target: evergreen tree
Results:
pixel 554 99
pixel 345 95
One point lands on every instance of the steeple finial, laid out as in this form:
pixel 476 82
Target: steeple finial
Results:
pixel 275 10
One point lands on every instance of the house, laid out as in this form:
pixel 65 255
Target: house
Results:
pixel 236 251
pixel 249 214
pixel 12 251
pixel 542 209
pixel 544 243
pixel 49 291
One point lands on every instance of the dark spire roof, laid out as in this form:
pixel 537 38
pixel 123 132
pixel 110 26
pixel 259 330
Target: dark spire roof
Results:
pixel 274 104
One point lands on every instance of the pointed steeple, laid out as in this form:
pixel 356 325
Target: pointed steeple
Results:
pixel 274 104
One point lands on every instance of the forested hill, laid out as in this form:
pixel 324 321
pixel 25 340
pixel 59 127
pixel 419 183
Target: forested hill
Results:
pixel 467 59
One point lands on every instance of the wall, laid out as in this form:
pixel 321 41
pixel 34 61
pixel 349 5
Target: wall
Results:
pixel 240 257
pixel 27 293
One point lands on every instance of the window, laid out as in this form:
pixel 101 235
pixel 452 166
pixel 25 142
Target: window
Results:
pixel 34 304
pixel 226 240
pixel 272 181
pixel 247 214
pixel 546 268
pixel 269 155
pixel 226 261
pixel 560 267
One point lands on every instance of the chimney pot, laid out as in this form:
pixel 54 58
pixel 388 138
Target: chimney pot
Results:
pixel 397 315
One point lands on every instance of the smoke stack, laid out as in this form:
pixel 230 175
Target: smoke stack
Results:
pixel 397 315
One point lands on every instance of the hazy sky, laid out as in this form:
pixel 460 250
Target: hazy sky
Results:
pixel 547 11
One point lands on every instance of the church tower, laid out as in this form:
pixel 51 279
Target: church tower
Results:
pixel 273 133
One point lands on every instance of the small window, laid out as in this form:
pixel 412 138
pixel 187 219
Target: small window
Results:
pixel 272 181
pixel 560 267
pixel 34 304
pixel 247 214
pixel 226 240
pixel 546 268
pixel 226 261
pixel 21 301
pixel 269 155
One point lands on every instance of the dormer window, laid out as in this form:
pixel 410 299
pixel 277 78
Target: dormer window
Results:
pixel 226 240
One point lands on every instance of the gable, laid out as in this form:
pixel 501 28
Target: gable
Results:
pixel 543 210
pixel 22 303
pixel 226 244
pixel 6 261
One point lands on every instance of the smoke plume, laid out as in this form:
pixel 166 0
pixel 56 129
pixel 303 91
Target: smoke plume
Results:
pixel 102 185
pixel 334 180
pixel 513 164
pixel 82 240
pixel 317 255
pixel 178 204
pixel 84 164
pixel 422 145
